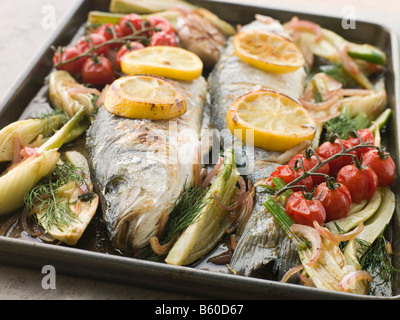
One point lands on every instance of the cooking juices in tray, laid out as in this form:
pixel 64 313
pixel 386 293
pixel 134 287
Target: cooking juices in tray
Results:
pixel 256 151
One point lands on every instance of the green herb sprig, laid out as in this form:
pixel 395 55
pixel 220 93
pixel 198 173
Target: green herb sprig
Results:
pixel 43 198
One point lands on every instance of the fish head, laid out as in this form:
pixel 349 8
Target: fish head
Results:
pixel 141 187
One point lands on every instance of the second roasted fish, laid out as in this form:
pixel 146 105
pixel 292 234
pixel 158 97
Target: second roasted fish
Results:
pixel 262 240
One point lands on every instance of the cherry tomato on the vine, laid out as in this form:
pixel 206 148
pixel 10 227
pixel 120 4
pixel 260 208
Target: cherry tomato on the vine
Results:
pixel 68 53
pixel 383 165
pixel 329 149
pixel 109 32
pixel 131 22
pixel 361 182
pixel 287 174
pixel 85 43
pixel 161 23
pixel 132 45
pixel 336 199
pixel 165 36
pixel 366 136
pixel 305 211
pixel 309 162
pixel 98 71
pixel 163 39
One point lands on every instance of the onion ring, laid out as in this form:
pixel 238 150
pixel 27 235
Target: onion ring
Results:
pixel 311 235
pixel 239 201
pixel 352 277
pixel 291 272
pixel 338 237
pixel 212 173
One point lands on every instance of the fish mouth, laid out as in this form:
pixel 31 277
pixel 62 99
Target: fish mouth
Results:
pixel 135 202
pixel 134 229
pixel 122 233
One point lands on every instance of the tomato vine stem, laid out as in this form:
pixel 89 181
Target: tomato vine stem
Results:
pixel 132 37
pixel 320 163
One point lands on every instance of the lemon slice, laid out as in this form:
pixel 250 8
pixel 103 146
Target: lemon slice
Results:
pixel 277 122
pixel 267 51
pixel 144 97
pixel 170 62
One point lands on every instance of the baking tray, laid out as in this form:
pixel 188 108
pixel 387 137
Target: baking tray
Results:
pixel 26 93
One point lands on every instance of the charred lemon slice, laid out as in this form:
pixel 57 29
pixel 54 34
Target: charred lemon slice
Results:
pixel 144 97
pixel 277 122
pixel 267 51
pixel 170 62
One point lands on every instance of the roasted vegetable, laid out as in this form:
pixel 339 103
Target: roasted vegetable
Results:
pixel 314 40
pixel 64 202
pixel 212 222
pixel 36 163
pixel 142 7
pixel 66 94
pixel 27 133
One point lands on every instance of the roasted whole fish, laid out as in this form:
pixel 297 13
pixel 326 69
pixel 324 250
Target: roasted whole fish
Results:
pixel 139 167
pixel 262 240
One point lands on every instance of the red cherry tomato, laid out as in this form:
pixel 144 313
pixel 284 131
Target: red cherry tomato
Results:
pixel 304 211
pixel 366 136
pixel 109 32
pixel 383 165
pixel 85 43
pixel 287 174
pixel 309 162
pixel 362 182
pixel 163 39
pixel 73 67
pixel 328 149
pixel 133 45
pixel 336 199
pixel 161 23
pixel 98 71
pixel 131 20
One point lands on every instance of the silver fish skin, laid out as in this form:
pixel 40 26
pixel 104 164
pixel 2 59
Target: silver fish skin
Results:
pixel 262 240
pixel 139 167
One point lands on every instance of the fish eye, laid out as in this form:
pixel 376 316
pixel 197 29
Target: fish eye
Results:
pixel 115 186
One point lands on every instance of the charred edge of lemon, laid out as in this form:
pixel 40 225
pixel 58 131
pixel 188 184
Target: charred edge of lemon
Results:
pixel 118 103
pixel 269 140
pixel 269 66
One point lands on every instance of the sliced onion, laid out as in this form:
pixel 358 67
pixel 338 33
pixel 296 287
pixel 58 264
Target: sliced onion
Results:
pixel 311 235
pixel 212 173
pixel 222 258
pixel 82 89
pixel 306 280
pixel 338 237
pixel 352 277
pixel 161 223
pixel 320 106
pixel 348 62
pixel 334 113
pixel 291 272
pixel 157 247
pixel 233 242
pixel 196 167
pixel 246 213
pixel 239 201
pixel 305 25
pixel 355 92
